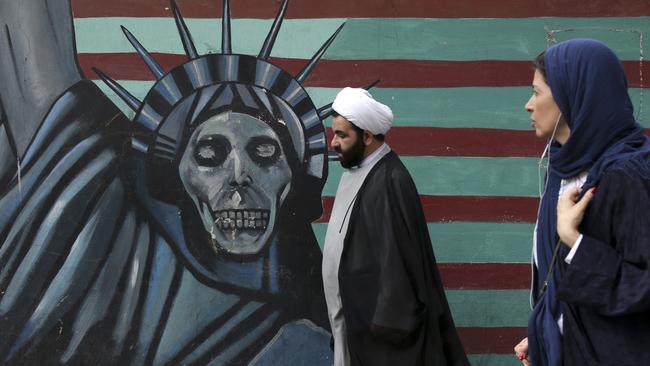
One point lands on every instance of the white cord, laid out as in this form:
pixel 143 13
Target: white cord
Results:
pixel 547 149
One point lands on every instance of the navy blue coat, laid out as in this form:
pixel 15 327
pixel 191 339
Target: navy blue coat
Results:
pixel 606 289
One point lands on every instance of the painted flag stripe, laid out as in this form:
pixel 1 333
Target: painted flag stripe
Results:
pixel 364 8
pixel 338 73
pixel 487 359
pixel 467 208
pixel 489 308
pixel 491 340
pixel 464 176
pixel 470 107
pixel 487 142
pixel 473 242
pixel 485 276
pixel 373 38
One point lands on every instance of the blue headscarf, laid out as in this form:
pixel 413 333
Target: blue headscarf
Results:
pixel 589 86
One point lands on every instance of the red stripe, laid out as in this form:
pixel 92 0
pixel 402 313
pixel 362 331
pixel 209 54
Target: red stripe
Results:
pixel 339 73
pixel 485 276
pixel 487 142
pixel 467 208
pixel 366 8
pixel 435 141
pixel 484 142
pixel 491 340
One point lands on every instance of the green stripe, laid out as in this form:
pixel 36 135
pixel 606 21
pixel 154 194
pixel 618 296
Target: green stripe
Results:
pixel 472 242
pixel 473 107
pixel 480 242
pixel 297 39
pixel 498 39
pixel 470 107
pixel 489 308
pixel 494 360
pixel 465 176
pixel 479 107
pixel 371 38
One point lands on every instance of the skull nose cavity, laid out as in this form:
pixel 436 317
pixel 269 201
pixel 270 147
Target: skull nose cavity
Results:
pixel 240 173
pixel 236 198
pixel 241 180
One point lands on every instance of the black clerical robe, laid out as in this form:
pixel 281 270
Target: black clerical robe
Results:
pixel 394 304
pixel 606 289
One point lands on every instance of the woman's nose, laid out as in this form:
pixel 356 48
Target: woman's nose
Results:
pixel 529 105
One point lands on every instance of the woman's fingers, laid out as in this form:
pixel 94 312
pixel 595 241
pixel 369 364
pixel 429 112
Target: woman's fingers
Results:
pixel 521 351
pixel 584 201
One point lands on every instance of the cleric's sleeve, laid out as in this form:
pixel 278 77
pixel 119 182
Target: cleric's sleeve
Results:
pixel 613 276
pixel 400 308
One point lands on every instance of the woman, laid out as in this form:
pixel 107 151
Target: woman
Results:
pixel 591 284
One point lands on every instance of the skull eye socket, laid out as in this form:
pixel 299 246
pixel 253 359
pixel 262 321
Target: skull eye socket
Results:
pixel 212 151
pixel 263 150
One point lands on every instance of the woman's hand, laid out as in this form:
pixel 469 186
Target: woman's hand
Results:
pixel 521 351
pixel 570 214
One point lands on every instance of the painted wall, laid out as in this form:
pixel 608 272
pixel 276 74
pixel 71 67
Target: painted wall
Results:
pixel 181 235
pixel 457 75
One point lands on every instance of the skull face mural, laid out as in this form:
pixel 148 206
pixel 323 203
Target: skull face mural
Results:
pixel 194 242
pixel 237 175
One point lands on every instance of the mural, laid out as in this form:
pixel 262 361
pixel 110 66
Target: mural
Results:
pixel 181 237
pixel 74 168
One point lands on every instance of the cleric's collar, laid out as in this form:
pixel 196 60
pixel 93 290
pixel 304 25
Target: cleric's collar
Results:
pixel 376 155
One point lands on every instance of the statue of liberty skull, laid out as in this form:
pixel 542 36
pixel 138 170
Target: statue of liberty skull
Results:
pixel 234 141
pixel 196 244
pixel 237 175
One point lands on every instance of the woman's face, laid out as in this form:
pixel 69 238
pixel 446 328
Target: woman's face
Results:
pixel 544 112
pixel 237 174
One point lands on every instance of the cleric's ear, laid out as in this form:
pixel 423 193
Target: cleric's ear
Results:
pixel 367 137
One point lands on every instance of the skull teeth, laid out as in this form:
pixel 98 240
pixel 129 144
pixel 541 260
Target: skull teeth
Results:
pixel 241 219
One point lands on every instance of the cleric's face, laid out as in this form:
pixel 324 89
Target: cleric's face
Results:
pixel 347 142
pixel 237 175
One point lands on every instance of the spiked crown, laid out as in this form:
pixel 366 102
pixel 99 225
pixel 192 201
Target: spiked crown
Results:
pixel 221 79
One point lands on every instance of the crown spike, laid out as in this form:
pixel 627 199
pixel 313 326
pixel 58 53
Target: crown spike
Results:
pixel 371 85
pixel 326 110
pixel 139 145
pixel 314 60
pixel 186 37
pixel 129 99
pixel 273 33
pixel 226 45
pixel 332 156
pixel 155 68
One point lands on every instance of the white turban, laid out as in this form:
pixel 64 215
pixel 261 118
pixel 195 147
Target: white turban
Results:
pixel 357 106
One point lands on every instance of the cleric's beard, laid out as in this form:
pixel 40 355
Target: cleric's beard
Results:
pixel 353 156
